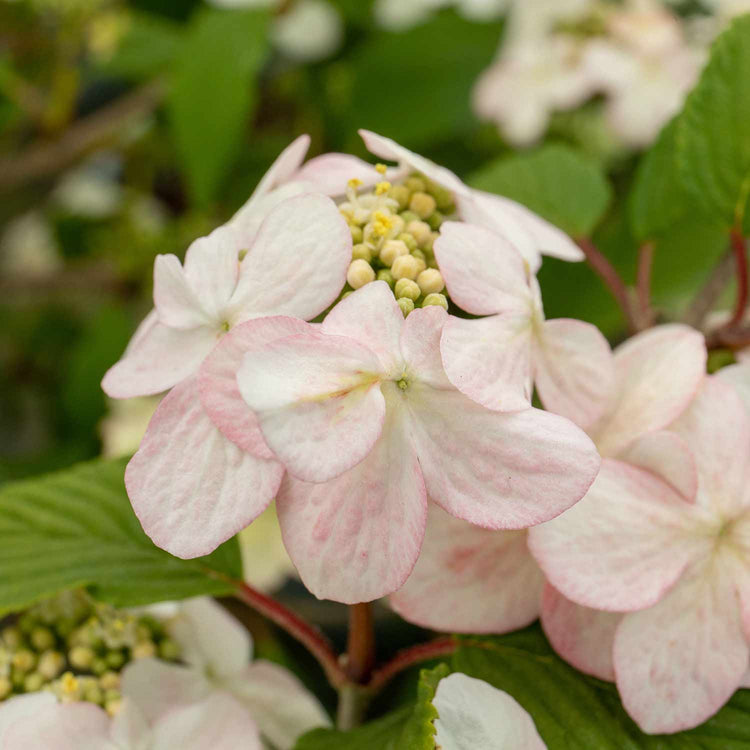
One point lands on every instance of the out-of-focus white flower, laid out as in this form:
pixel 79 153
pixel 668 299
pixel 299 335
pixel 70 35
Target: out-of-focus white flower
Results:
pixel 28 248
pixel 398 15
pixel 310 30
pixel 123 427
pixel 91 190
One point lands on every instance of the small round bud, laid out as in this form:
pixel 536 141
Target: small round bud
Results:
pixel 116 659
pixel 147 649
pixel 405 267
pixel 169 650
pixel 408 217
pixel 430 281
pixel 93 694
pixel 362 252
pixel 384 274
pixel 113 707
pixel 391 250
pixel 443 197
pixel 420 254
pixel 81 657
pixel 346 294
pixel 33 682
pixel 408 240
pixel 400 194
pixel 416 184
pixel 356 233
pixel 6 688
pixel 42 638
pixel 110 681
pixel 406 288
pixel 421 265
pixel 360 273
pixel 435 220
pixel 24 660
pixel 112 695
pixel 65 626
pixel 423 205
pixel 435 299
pixel 12 637
pixel 420 230
pixel 406 305
pixel 51 663
pixel 26 623
pixel 430 242
pixel 99 666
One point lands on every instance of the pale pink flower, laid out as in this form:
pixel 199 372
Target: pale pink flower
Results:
pixel 367 424
pixel 668 545
pixel 474 715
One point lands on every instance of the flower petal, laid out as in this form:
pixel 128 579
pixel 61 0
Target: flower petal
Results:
pixel 317 399
pixel 283 708
pixel 489 360
pixel 574 370
pixel 129 729
pixel 623 546
pixel 659 372
pixel 217 380
pixel 157 358
pixel 190 487
pixel 356 538
pixel 22 708
pixel 483 272
pixel 470 580
pixel 420 346
pixel 330 173
pixel 476 716
pixel 370 316
pixel 738 376
pixel 298 261
pixel 584 637
pixel 500 471
pixel 177 304
pixel 284 167
pixel 678 662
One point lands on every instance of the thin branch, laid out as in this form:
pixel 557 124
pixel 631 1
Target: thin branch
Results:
pixel 739 251
pixel 308 635
pixel 360 648
pixel 409 657
pixel 706 298
pixel 608 274
pixel 643 285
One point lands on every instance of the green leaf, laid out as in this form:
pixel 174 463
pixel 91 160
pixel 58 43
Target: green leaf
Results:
pixel 214 93
pixel 557 182
pixel 575 712
pixel 713 135
pixel 76 528
pixel 419 730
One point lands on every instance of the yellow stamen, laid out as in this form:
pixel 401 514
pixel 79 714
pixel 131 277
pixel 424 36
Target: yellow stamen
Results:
pixel 382 187
pixel 381 168
pixel 69 683
pixel 354 183
pixel 382 223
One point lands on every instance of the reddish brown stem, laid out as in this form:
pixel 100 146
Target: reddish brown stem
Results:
pixel 643 285
pixel 409 657
pixel 606 271
pixel 360 647
pixel 739 251
pixel 308 635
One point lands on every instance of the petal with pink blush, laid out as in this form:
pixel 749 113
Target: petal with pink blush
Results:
pixel 370 316
pixel 678 662
pixel 623 546
pixel 190 487
pixel 157 358
pixel 330 173
pixel 739 377
pixel 470 580
pixel 500 471
pixel 573 370
pixel 582 636
pixel 420 346
pixel 21 708
pixel 666 455
pixel 217 380
pixel 176 302
pixel 658 374
pixel 318 401
pixel 298 261
pixel 483 272
pixel 284 167
pixel 716 427
pixel 489 360
pixel 357 537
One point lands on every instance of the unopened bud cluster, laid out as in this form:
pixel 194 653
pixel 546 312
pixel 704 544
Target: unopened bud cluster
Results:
pixel 76 649
pixel 394 227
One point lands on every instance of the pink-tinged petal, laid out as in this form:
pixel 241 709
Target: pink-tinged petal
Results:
pixel 357 537
pixel 470 580
pixel 156 687
pixel 474 715
pixel 678 662
pixel 716 428
pixel 129 728
pixel 739 377
pixel 211 638
pixel 483 272
pixel 370 316
pixel 176 302
pixel 623 546
pixel 284 167
pixel 212 268
pixel 217 380
pixel 70 726
pixel 190 487
pixel 217 723
pixel 746 680
pixel 318 401
pixel 386 148
pixel 420 345
pixel 21 708
pixel 658 374
pixel 489 360
pixel 584 637
pixel 298 261
pixel 330 173
pixel 667 455
pixel 281 705
pixel 157 358
pixel 573 370
pixel 500 471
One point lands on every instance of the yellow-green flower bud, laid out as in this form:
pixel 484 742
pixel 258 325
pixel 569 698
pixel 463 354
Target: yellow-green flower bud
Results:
pixel 408 240
pixel 362 252
pixel 147 649
pixel 430 281
pixel 169 650
pixel 443 197
pixel 99 666
pixel 405 267
pixel 430 242
pixel 26 623
pixel 406 305
pixel 33 682
pixel 420 230
pixel 17 676
pixel 93 694
pixel 423 205
pixel 391 250
pixel 384 274
pixel 406 288
pixel 357 233
pixel 421 255
pixel 408 217
pixel 65 626
pixel 116 659
pixel 360 273
pixel 416 184
pixel 81 657
pixel 24 660
pixel 435 299
pixel 110 681
pixel 112 695
pixel 6 688
pixel 347 293
pixel 435 220
pixel 51 663
pixel 401 194
pixel 12 637
pixel 113 706
pixel 42 638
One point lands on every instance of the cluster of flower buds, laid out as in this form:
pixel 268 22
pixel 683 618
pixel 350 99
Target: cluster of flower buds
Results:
pixel 76 649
